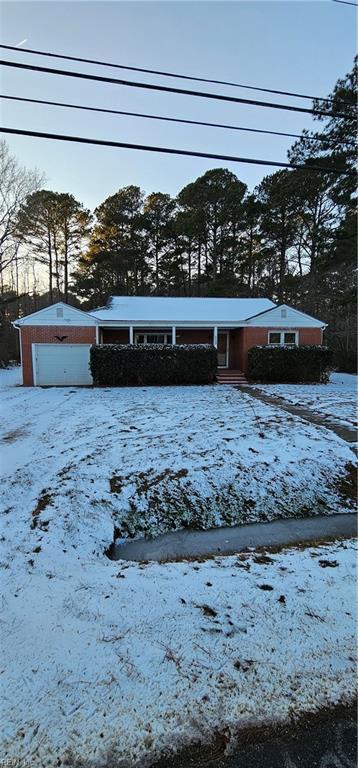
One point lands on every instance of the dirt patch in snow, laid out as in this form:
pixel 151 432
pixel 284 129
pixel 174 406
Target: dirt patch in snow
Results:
pixel 347 485
pixel 225 741
pixel 145 480
pixel 45 500
pixel 207 610
pixel 198 754
pixel 13 435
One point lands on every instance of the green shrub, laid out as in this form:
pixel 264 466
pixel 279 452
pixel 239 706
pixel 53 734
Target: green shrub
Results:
pixel 289 364
pixel 131 364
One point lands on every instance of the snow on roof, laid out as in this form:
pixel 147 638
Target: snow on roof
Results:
pixel 172 310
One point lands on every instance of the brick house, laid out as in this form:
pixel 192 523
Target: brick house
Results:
pixel 55 342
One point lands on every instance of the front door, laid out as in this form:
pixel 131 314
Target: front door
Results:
pixel 223 349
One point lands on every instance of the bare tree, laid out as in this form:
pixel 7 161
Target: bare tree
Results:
pixel 16 183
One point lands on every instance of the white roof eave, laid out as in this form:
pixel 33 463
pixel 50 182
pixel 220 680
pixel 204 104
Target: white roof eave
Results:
pixel 170 323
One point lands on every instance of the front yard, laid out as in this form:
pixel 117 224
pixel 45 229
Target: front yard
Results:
pixel 106 663
pixel 142 461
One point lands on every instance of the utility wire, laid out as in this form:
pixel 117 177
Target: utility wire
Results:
pixel 345 2
pixel 169 89
pixel 161 117
pixel 164 74
pixel 169 151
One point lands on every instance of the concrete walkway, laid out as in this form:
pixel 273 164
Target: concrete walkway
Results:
pixel 349 435
pixel 227 541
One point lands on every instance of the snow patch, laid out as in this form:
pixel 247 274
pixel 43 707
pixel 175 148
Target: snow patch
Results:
pixel 336 400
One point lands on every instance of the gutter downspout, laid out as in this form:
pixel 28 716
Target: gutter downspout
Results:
pixel 18 328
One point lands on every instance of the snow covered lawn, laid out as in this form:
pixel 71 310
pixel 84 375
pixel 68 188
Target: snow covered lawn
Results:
pixel 106 662
pixel 11 377
pixel 336 400
pixel 145 461
pixel 103 658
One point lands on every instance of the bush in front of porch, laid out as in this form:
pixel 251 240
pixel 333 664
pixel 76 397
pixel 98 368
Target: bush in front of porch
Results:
pixel 152 364
pixel 289 364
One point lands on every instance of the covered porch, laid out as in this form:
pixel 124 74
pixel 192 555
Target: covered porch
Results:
pixel 228 341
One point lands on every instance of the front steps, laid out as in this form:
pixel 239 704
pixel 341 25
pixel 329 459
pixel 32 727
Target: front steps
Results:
pixel 228 376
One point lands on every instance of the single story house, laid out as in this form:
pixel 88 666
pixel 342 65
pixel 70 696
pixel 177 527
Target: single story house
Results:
pixel 55 342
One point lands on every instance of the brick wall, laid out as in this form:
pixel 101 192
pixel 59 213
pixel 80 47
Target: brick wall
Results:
pixel 311 336
pixel 251 337
pixel 45 334
pixel 234 348
pixel 194 336
pixel 115 335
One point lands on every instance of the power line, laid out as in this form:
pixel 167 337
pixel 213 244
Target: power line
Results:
pixel 162 117
pixel 345 2
pixel 168 89
pixel 164 73
pixel 168 151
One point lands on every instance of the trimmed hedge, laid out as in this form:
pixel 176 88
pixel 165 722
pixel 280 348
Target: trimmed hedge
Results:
pixel 142 364
pixel 290 364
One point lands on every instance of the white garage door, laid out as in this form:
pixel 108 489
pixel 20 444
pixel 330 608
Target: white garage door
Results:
pixel 61 364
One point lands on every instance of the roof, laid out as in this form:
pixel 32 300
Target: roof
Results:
pixel 59 313
pixel 176 310
pixel 159 311
pixel 284 316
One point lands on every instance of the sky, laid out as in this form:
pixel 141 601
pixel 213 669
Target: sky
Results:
pixel 296 46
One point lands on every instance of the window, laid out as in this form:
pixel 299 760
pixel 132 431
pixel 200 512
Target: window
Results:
pixel 274 338
pixel 153 338
pixel 287 338
pixel 59 311
pixel 283 312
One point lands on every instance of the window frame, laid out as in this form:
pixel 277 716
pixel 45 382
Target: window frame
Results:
pixel 145 334
pixel 282 342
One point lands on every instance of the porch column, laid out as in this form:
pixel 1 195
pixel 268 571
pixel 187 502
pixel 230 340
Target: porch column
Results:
pixel 131 336
pixel 174 334
pixel 215 336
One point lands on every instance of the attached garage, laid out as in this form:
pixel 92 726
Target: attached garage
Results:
pixel 55 346
pixel 61 364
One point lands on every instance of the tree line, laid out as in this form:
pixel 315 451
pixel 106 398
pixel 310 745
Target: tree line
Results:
pixel 292 239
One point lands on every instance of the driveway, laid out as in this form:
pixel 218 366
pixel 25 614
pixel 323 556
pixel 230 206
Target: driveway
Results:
pixel 226 541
